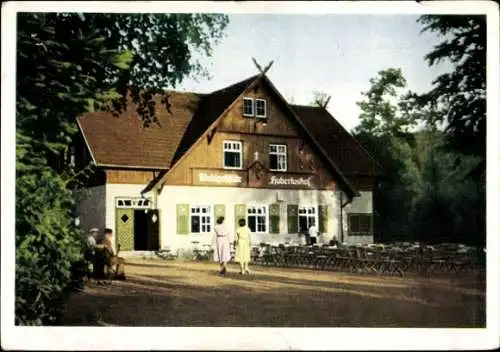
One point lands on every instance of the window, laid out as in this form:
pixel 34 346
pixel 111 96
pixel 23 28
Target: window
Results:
pixel 360 224
pixel 136 203
pixel 247 107
pixel 232 155
pixel 260 108
pixel 277 157
pixel 201 219
pixel 257 218
pixel 307 216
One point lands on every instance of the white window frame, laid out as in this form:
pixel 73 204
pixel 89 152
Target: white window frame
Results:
pixel 224 150
pixel 205 219
pixel 265 216
pixel 136 203
pixel 253 106
pixel 308 211
pixel 278 153
pixel 265 108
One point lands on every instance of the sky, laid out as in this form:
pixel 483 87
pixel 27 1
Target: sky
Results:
pixel 333 53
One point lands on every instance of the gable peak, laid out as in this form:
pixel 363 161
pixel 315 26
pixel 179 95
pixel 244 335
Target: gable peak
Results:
pixel 259 67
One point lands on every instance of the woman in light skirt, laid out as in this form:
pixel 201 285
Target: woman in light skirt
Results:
pixel 222 252
pixel 243 246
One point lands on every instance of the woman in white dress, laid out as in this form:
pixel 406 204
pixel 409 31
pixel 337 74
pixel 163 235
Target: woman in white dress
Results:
pixel 222 252
pixel 243 246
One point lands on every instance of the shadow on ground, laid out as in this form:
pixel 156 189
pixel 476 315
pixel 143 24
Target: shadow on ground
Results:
pixel 193 294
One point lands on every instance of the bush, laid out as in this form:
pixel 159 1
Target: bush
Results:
pixel 47 246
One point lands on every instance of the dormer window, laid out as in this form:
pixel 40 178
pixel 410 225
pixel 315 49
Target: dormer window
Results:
pixel 260 108
pixel 248 108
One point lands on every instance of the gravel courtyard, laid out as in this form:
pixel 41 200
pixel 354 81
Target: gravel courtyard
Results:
pixel 177 293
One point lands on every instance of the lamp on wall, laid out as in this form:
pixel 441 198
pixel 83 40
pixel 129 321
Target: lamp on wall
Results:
pixel 279 199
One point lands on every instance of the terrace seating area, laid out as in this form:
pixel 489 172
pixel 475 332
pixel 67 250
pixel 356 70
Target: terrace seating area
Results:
pixel 385 259
pixel 399 258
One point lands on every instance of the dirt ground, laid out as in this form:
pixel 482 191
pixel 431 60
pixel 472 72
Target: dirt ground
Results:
pixel 175 293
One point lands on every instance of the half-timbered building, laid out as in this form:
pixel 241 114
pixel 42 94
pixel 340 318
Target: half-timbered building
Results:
pixel 238 152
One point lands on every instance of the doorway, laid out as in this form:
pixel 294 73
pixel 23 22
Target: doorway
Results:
pixel 137 225
pixel 146 230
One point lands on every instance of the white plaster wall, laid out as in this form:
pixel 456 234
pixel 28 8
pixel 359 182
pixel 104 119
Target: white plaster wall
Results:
pixel 91 208
pixel 362 204
pixel 230 196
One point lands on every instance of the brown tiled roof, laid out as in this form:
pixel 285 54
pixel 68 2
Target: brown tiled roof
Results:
pixel 124 141
pixel 339 144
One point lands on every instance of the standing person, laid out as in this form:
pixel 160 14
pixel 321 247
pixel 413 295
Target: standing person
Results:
pixel 243 246
pixel 222 252
pixel 313 233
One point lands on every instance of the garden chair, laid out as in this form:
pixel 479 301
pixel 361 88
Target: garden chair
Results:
pixel 166 253
pixel 391 262
pixel 255 255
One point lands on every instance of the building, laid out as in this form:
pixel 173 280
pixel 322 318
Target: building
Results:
pixel 240 152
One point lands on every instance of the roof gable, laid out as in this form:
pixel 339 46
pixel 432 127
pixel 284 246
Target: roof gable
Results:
pixel 210 108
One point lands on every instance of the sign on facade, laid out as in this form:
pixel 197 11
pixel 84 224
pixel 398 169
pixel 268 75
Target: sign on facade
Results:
pixel 218 178
pixel 290 181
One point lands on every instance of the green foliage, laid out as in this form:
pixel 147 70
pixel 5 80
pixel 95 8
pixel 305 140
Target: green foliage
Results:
pixel 459 96
pixel 380 113
pixel 69 64
pixel 47 242
pixel 427 194
pixel 320 99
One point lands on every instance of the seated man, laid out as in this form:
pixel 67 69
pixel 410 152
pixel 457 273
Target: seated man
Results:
pixel 334 242
pixel 113 262
pixel 90 245
pixel 89 251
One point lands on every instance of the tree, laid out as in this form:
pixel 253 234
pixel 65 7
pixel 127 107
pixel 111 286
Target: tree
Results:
pixel 426 195
pixel 69 64
pixel 384 130
pixel 448 204
pixel 385 110
pixel 459 96
pixel 320 99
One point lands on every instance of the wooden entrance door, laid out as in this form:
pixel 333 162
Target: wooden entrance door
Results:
pixel 125 228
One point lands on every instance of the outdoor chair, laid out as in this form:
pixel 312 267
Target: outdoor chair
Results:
pixel 279 255
pixel 322 255
pixel 255 255
pixel 391 262
pixel 342 259
pixel 368 258
pixel 289 256
pixel 166 254
pixel 267 255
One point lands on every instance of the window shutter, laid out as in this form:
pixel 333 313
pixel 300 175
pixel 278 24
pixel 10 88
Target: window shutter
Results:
pixel 182 219
pixel 293 218
pixel 219 210
pixel 323 218
pixel 240 212
pixel 274 218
